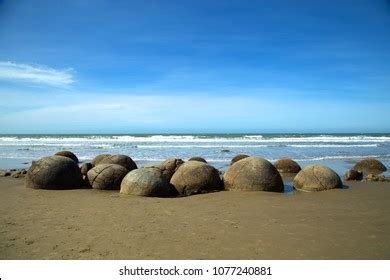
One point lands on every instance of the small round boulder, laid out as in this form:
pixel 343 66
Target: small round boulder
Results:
pixel 316 178
pixel 145 182
pixel 85 167
pixel 195 177
pixel 253 174
pixel 200 159
pixel 370 166
pixel 353 175
pixel 237 158
pixel 106 176
pixel 99 158
pixel 54 173
pixel 68 154
pixel 287 166
pixel 169 166
pixel 122 160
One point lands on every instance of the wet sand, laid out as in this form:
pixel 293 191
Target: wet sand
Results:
pixel 351 223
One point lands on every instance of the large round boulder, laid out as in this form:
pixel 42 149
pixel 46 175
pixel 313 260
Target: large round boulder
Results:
pixel 145 182
pixel 287 166
pixel 122 160
pixel 68 154
pixel 195 177
pixel 370 166
pixel 99 158
pixel 169 166
pixel 237 158
pixel 200 159
pixel 316 178
pixel 253 174
pixel 55 173
pixel 106 176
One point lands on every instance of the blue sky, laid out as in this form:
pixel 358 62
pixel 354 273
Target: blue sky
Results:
pixel 194 66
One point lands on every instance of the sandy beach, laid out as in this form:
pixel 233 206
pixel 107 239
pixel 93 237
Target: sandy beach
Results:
pixel 90 224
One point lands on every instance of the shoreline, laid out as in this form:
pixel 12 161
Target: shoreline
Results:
pixel 340 166
pixel 89 224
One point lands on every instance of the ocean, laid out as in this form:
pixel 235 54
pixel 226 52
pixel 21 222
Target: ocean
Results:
pixel 338 151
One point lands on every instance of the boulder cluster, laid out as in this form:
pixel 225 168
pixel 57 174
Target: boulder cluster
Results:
pixel 370 167
pixel 174 177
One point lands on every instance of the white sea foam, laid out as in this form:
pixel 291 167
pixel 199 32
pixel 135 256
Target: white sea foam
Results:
pixel 342 157
pixel 332 146
pixel 198 146
pixel 196 138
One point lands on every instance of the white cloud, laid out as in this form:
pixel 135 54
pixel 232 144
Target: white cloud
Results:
pixel 35 74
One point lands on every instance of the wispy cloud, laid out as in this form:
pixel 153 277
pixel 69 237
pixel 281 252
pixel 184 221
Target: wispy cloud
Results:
pixel 35 74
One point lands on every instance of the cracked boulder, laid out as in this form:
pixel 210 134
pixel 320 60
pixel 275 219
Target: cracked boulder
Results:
pixel 287 166
pixel 370 166
pixel 316 178
pixel 146 182
pixel 253 174
pixel 54 173
pixel 122 160
pixel 169 166
pixel 194 177
pixel 68 154
pixel 106 176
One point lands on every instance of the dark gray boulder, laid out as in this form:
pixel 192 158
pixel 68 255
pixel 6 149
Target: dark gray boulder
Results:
pixel 55 172
pixel 353 175
pixel 68 154
pixel 85 167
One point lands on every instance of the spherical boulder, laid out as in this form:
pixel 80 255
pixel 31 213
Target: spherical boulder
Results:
pixel 237 158
pixel 68 154
pixel 169 166
pixel 195 177
pixel 145 182
pixel 200 159
pixel 99 158
pixel 316 178
pixel 85 167
pixel 253 174
pixel 287 166
pixel 55 173
pixel 122 160
pixel 353 175
pixel 106 176
pixel 370 166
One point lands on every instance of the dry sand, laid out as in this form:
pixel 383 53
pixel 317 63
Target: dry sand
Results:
pixel 349 223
